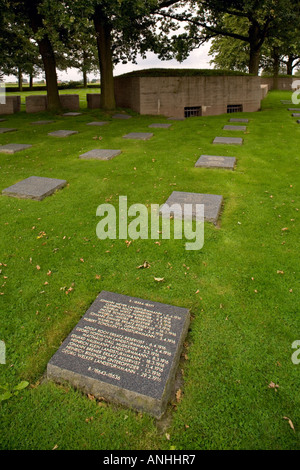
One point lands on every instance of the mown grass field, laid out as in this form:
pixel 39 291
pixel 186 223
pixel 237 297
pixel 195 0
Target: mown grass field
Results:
pixel 239 388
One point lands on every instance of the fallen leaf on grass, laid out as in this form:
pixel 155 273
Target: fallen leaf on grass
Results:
pixel 273 385
pixel 145 265
pixel 178 395
pixel 290 422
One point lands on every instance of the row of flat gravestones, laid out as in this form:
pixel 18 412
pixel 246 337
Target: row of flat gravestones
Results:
pixel 38 188
pixel 127 349
pixel 124 348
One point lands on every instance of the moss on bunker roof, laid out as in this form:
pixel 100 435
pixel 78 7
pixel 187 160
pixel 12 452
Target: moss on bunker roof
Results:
pixel 183 73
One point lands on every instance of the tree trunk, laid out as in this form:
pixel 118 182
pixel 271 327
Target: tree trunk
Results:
pixel 289 65
pixel 20 79
pixel 48 57
pixel 31 81
pixel 84 79
pixel 276 67
pixel 103 35
pixel 255 48
pixel 46 51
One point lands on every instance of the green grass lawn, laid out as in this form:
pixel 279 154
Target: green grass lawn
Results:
pixel 242 287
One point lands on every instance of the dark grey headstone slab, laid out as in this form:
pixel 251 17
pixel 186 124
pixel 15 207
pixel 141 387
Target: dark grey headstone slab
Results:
pixel 238 120
pixel 138 135
pixel 97 123
pixel 160 125
pixel 122 116
pixel 296 115
pixel 176 119
pixel 3 130
pixel 13 148
pixel 294 109
pixel 124 349
pixel 34 187
pixel 100 154
pixel 228 140
pixel 235 128
pixel 41 123
pixel 2 120
pixel 72 114
pixel 212 204
pixel 62 133
pixel 211 161
pixel 298 121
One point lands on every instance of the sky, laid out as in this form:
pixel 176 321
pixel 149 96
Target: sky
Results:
pixel 198 59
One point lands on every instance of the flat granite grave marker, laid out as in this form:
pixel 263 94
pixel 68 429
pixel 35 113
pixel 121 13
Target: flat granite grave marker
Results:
pixel 296 114
pixel 294 109
pixel 72 114
pixel 211 161
pixel 3 130
pixel 138 135
pixel 34 187
pixel 160 125
pixel 212 204
pixel 124 349
pixel 235 128
pixel 62 133
pixel 238 120
pixel 121 116
pixel 41 123
pixel 97 123
pixel 228 140
pixel 100 154
pixel 13 148
pixel 2 120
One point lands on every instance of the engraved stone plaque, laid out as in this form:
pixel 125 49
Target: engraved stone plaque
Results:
pixel 160 125
pixel 238 120
pixel 97 123
pixel 235 128
pixel 100 154
pixel 41 123
pixel 34 187
pixel 13 148
pixel 228 140
pixel 124 349
pixel 138 135
pixel 3 130
pixel 62 133
pixel 212 205
pixel 211 161
pixel 122 116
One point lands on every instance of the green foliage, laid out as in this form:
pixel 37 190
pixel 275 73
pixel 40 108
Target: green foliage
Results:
pixel 12 391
